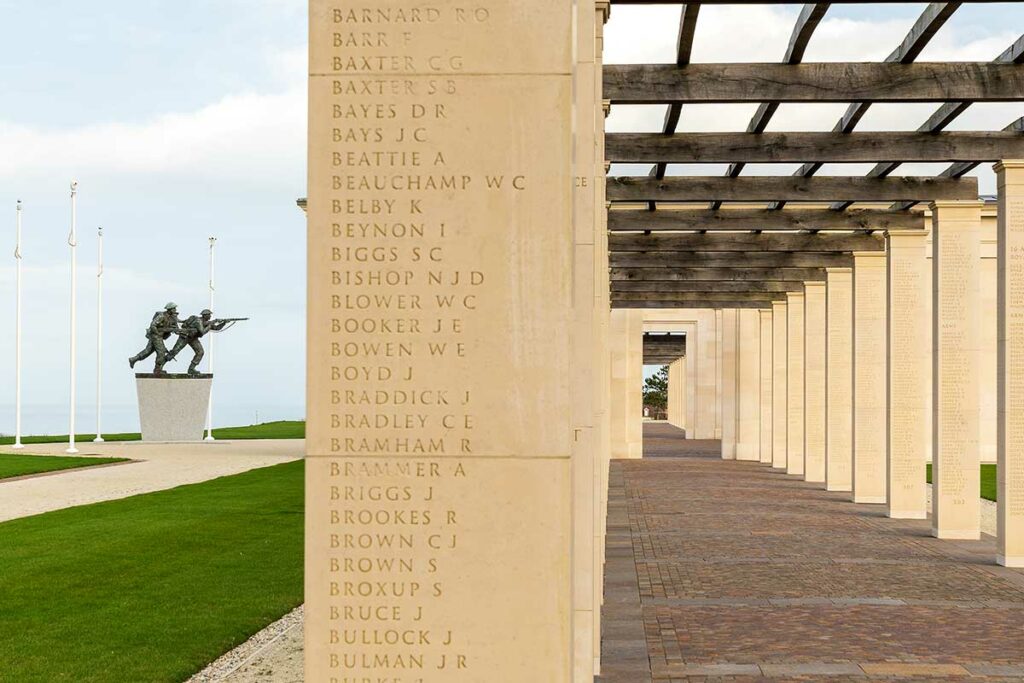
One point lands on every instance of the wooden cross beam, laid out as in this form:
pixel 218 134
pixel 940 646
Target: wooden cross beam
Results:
pixel 760 219
pixel 693 300
pixel 695 276
pixel 721 148
pixel 813 82
pixel 735 286
pixel 790 188
pixel 744 242
pixel 735 259
pixel 777 2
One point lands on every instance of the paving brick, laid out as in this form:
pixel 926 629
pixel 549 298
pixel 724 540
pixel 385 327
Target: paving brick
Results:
pixel 730 571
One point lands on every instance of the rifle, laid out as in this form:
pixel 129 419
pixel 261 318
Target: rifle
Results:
pixel 226 323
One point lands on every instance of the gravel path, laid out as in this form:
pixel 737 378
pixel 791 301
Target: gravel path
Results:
pixel 158 467
pixel 274 655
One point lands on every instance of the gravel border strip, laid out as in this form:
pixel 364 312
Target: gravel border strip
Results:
pixel 229 663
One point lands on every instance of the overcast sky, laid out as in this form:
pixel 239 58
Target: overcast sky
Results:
pixel 186 119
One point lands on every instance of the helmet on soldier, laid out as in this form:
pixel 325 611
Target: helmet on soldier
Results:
pixel 206 312
pixel 171 306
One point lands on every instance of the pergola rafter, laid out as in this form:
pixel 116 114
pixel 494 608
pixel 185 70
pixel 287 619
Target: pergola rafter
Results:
pixel 674 237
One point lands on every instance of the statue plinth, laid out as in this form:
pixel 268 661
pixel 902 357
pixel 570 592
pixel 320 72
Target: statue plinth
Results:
pixel 173 407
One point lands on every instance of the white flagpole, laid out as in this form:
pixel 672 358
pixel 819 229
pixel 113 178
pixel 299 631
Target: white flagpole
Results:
pixel 209 410
pixel 17 332
pixel 73 243
pixel 99 338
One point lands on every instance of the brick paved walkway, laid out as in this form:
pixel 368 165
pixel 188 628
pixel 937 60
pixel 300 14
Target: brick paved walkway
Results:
pixel 727 571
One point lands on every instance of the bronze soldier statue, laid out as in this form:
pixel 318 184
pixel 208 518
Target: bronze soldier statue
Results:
pixel 163 325
pixel 192 330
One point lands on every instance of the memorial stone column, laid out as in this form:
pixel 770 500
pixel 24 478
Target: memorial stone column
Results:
pixel 869 376
pixel 795 384
pixel 815 327
pixel 839 381
pixel 748 385
pixel 674 393
pixel 907 382
pixel 730 414
pixel 780 380
pixel 584 367
pixel 602 302
pixel 956 322
pixel 1010 363
pixel 683 382
pixel 439 343
pixel 706 408
pixel 635 390
pixel 619 353
pixel 767 372
pixel 719 347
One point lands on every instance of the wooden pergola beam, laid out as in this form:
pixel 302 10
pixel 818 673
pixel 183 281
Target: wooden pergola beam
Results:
pixel 714 3
pixel 810 16
pixel 921 33
pixel 745 242
pixel 735 259
pixel 789 188
pixel 736 286
pixel 684 48
pixel 760 219
pixel 698 275
pixel 691 304
pixel 768 148
pixel 813 82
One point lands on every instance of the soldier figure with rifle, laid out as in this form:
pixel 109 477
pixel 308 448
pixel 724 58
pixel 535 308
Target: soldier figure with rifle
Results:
pixel 161 327
pixel 193 330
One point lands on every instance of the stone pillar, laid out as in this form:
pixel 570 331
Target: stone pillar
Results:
pixel 619 407
pixel 869 376
pixel 602 302
pixel 906 385
pixel 584 368
pixel 682 381
pixel 635 386
pixel 988 391
pixel 675 393
pixel 956 319
pixel 1010 377
pixel 814 381
pixel 691 380
pixel 707 403
pixel 719 347
pixel 839 381
pixel 780 383
pixel 795 384
pixel 730 414
pixel 486 357
pixel 748 386
pixel 766 365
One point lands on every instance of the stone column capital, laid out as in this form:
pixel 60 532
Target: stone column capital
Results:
pixel 838 271
pixel 965 208
pixel 868 256
pixel 813 284
pixel 604 8
pixel 1008 165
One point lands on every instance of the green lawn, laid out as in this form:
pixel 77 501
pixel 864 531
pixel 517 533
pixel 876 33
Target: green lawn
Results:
pixel 267 430
pixel 149 588
pixel 19 465
pixel 988 481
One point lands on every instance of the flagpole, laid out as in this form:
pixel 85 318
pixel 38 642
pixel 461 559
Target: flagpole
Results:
pixel 209 409
pixel 73 243
pixel 17 331
pixel 99 338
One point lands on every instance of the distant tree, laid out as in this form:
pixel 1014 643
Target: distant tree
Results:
pixel 656 389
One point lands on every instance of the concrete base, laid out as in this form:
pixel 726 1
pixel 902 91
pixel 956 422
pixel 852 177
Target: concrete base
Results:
pixel 1012 562
pixel 957 535
pixel 907 514
pixel 173 407
pixel 870 500
pixel 839 489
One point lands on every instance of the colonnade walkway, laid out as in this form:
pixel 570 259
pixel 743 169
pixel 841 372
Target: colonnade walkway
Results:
pixel 729 571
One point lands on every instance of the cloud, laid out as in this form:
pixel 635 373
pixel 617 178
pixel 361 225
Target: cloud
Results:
pixel 249 137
